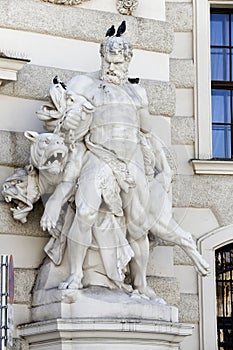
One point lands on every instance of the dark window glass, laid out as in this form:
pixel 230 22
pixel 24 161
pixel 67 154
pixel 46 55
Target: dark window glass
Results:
pixel 221 106
pixel 221 136
pixel 222 82
pixel 220 64
pixel 220 29
pixel 224 294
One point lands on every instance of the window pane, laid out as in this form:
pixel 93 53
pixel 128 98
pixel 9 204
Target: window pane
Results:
pixel 221 106
pixel 219 30
pixel 220 64
pixel 221 140
pixel 231 30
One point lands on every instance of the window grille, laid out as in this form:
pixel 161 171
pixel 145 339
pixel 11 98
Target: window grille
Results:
pixel 224 293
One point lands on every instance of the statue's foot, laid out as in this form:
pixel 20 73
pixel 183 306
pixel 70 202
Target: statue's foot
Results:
pixel 202 267
pixel 72 282
pixel 125 287
pixel 200 264
pixel 146 291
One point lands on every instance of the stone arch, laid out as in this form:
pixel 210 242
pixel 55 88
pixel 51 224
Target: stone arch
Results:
pixel 208 244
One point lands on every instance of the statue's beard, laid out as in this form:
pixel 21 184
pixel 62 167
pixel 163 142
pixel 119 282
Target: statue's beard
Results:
pixel 118 77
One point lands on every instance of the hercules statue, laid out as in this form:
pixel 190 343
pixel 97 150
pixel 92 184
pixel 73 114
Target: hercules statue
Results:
pixel 116 169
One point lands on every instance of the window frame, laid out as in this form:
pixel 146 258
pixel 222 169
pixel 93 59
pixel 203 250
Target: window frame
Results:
pixel 224 85
pixel 208 244
pixel 203 162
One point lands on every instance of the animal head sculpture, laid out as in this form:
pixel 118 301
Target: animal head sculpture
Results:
pixel 22 189
pixel 48 152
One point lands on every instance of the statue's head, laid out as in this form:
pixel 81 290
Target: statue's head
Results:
pixel 116 53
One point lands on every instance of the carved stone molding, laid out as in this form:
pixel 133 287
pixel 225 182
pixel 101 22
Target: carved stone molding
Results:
pixel 65 2
pixel 9 67
pixel 126 7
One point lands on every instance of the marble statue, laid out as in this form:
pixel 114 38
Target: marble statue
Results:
pixel 106 175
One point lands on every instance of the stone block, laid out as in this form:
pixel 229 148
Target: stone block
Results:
pixel 114 334
pixel 10 226
pixel 212 192
pixel 162 97
pixel 180 15
pixel 15 149
pixel 182 73
pixel 180 258
pixel 34 16
pixel 182 154
pixel 143 63
pixel 179 1
pixel 166 288
pixel 19 114
pixel 198 221
pixel 22 314
pixel 161 127
pixel 182 131
pixel 147 9
pixel 79 55
pixel 27 251
pixel 34 82
pixel 19 344
pixel 188 308
pixel 24 280
pixel 183 45
pixel 78 23
pixel 161 262
pixel 192 342
pixel 184 103
pixel 98 302
pixel 187 278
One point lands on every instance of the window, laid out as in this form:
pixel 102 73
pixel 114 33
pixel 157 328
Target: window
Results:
pixel 221 41
pixel 213 45
pixel 224 295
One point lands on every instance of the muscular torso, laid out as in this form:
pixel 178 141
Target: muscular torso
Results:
pixel 116 121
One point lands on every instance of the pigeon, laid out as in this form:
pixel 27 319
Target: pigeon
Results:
pixel 134 80
pixel 121 29
pixel 56 80
pixel 110 31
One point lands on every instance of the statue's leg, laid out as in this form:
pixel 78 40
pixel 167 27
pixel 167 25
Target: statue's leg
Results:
pixel 87 200
pixel 135 208
pixel 165 227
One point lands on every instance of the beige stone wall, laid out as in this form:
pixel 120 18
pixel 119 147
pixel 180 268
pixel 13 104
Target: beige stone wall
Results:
pixel 64 41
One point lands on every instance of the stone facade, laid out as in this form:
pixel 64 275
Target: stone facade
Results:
pixel 63 40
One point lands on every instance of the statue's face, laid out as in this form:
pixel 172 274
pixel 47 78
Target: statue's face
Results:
pixel 115 68
pixel 115 60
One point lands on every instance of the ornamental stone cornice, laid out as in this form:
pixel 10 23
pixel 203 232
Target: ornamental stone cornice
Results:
pixel 126 7
pixel 65 2
pixel 9 68
pixel 78 23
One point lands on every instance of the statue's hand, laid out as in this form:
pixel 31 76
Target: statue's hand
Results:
pixel 72 119
pixel 49 222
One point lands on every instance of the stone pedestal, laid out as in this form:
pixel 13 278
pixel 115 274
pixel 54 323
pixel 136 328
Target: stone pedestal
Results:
pixel 100 334
pixel 102 319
